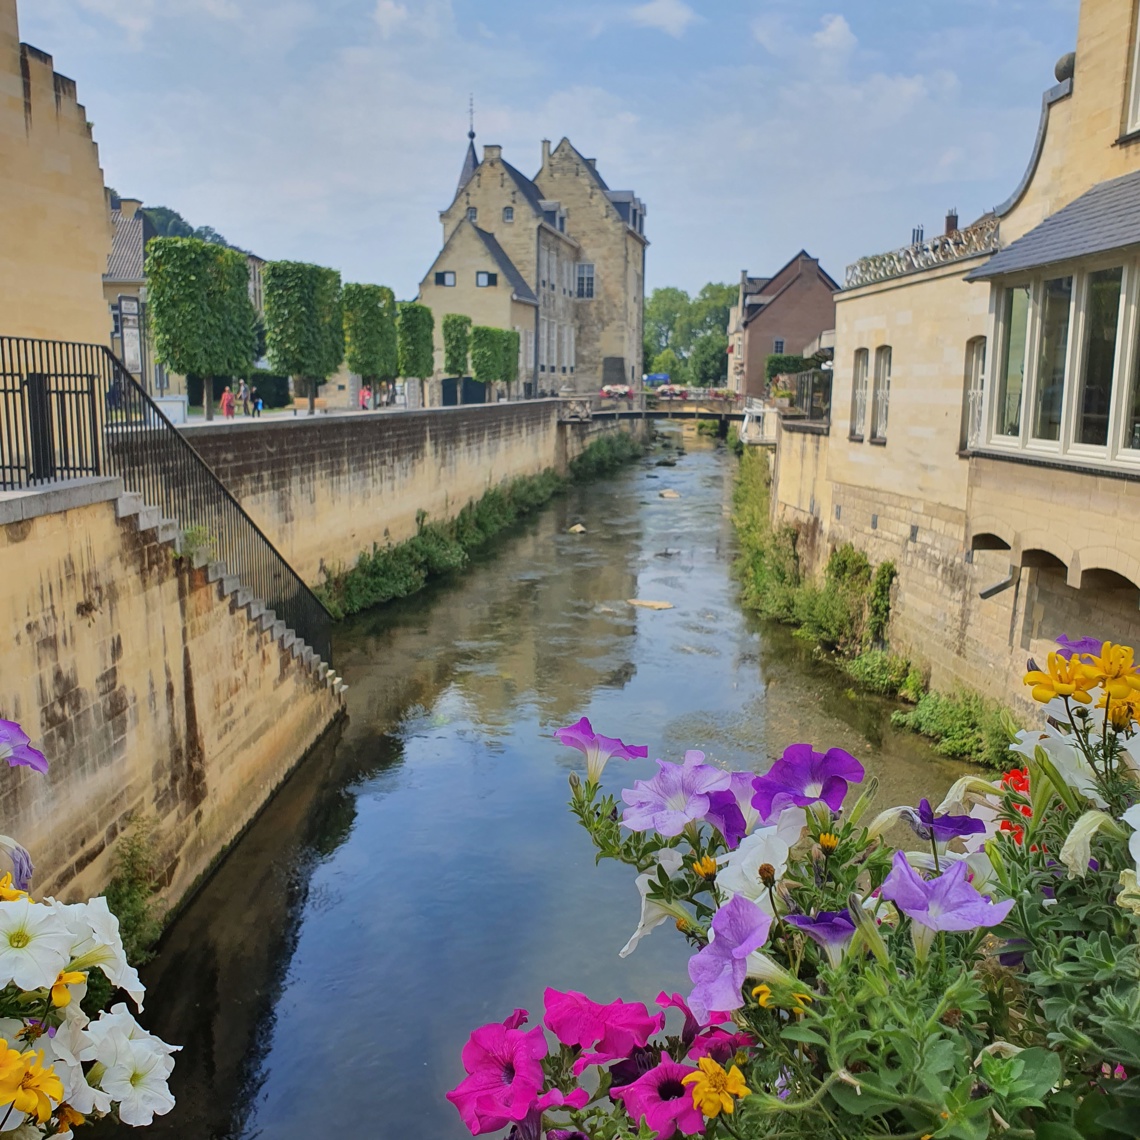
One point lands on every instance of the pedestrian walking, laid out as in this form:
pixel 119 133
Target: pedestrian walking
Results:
pixel 255 399
pixel 228 403
pixel 243 396
pixel 365 398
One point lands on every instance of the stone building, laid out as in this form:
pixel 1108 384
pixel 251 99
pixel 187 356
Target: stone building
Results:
pixel 560 258
pixel 55 227
pixel 777 315
pixel 986 424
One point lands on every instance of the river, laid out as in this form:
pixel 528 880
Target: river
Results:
pixel 420 874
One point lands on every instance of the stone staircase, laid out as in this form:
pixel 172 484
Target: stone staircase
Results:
pixel 147 518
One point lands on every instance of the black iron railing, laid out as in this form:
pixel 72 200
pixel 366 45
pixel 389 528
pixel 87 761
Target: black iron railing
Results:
pixel 71 410
pixel 811 394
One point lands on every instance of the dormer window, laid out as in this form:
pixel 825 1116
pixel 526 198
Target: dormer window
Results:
pixel 472 213
pixel 445 278
pixel 484 280
pixel 508 214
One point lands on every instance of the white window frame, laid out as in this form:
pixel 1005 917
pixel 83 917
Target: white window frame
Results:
pixel 860 371
pixel 585 274
pixel 1117 452
pixel 1132 118
pixel 881 394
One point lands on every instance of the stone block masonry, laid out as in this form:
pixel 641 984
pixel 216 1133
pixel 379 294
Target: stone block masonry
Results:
pixel 151 690
pixel 326 488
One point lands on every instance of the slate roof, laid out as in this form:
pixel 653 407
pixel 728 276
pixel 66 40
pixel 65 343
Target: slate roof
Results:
pixel 469 165
pixel 507 267
pixel 128 247
pixel 526 187
pixel 1105 218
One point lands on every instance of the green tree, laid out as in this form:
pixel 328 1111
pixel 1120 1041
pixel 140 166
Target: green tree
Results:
pixel 415 326
pixel 370 333
pixel 663 311
pixel 456 343
pixel 707 314
pixel 668 363
pixel 199 308
pixel 512 342
pixel 708 362
pixel 486 354
pixel 304 323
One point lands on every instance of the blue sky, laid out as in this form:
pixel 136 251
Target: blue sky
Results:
pixel 334 130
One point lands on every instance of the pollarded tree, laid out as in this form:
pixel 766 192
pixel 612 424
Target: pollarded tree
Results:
pixel 415 327
pixel 456 344
pixel 486 354
pixel 304 323
pixel 512 342
pixel 200 312
pixel 370 334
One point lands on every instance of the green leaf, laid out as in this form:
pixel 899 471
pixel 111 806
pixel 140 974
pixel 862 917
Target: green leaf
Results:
pixel 856 1103
pixel 1054 1130
pixel 803 1034
pixel 1041 1071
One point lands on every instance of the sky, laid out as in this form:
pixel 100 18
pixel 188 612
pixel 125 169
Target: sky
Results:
pixel 334 130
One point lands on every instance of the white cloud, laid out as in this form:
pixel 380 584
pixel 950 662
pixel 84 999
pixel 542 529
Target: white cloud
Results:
pixel 835 35
pixel 670 16
pixel 133 19
pixel 389 16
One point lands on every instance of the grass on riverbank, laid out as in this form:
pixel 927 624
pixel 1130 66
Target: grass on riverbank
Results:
pixel 846 617
pixel 401 569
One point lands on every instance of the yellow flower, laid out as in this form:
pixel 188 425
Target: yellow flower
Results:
pixel 706 867
pixel 1121 713
pixel 1114 670
pixel 802 1001
pixel 829 842
pixel 8 893
pixel 763 994
pixel 28 1086
pixel 60 994
pixel 713 1088
pixel 68 1118
pixel 1064 679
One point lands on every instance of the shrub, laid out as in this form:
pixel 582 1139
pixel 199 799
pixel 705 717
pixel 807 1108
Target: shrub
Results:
pixel 964 725
pixel 879 671
pixel 879 603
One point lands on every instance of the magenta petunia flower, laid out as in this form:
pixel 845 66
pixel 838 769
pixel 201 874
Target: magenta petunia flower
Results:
pixel 676 796
pixel 530 1127
pixel 505 1078
pixel 948 902
pixel 718 971
pixel 662 1101
pixel 802 777
pixel 599 750
pixel 832 930
pixel 613 1031
pixel 15 747
pixel 719 1044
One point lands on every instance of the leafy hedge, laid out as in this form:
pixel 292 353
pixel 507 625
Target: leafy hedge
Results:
pixel 456 344
pixel 415 326
pixel 370 332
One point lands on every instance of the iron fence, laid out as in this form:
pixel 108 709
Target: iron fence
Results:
pixel 68 411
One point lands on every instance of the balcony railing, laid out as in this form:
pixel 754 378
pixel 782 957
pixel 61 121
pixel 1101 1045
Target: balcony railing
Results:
pixel 943 250
pixel 69 411
pixel 811 395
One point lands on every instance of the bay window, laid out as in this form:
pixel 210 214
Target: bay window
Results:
pixel 1068 346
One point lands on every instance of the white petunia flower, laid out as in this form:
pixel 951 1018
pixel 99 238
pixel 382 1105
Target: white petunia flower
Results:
pixel 96 942
pixel 136 1081
pixel 33 945
pixel 653 911
pixel 1132 818
pixel 63 1050
pixel 740 869
pixel 1077 849
pixel 103 1034
pixel 1069 761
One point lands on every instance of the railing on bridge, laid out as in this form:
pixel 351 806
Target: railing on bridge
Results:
pixel 69 411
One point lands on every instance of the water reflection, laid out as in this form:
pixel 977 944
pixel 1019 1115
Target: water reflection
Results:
pixel 421 875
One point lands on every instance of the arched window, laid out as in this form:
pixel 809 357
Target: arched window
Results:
pixel 974 383
pixel 508 214
pixel 859 393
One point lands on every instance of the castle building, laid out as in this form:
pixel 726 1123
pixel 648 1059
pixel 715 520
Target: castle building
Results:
pixel 560 258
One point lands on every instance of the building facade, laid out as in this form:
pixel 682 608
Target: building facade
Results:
pixel 55 227
pixel 560 258
pixel 986 426
pixel 778 315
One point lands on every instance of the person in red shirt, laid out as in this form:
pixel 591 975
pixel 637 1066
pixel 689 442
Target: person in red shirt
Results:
pixel 228 403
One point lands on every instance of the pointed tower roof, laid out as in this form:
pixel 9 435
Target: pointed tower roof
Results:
pixel 469 163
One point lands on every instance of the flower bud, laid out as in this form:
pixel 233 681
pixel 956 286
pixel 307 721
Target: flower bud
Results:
pixel 767 874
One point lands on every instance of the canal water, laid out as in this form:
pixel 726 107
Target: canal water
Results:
pixel 420 874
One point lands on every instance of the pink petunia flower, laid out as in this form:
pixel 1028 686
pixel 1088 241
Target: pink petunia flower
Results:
pixel 615 1030
pixel 663 1101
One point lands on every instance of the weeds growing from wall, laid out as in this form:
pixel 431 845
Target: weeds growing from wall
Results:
pixel 964 725
pixel 396 571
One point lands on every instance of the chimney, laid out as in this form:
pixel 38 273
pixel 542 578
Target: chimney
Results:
pixel 130 206
pixel 951 219
pixel 917 235
pixel 492 153
pixel 545 151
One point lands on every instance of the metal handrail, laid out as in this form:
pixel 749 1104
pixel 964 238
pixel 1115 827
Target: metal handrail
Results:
pixel 70 411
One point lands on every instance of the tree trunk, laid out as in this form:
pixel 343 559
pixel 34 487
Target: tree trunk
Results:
pixel 208 397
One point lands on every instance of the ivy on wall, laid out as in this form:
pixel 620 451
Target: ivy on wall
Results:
pixel 200 313
pixel 304 322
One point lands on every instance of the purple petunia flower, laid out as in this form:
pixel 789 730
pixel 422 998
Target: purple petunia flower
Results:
pixel 942 828
pixel 802 777
pixel 599 750
pixel 21 863
pixel 725 815
pixel 718 971
pixel 1070 645
pixel 15 747
pixel 946 903
pixel 832 930
pixel 676 796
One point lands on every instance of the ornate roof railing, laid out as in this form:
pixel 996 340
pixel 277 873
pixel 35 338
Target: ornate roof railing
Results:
pixel 942 250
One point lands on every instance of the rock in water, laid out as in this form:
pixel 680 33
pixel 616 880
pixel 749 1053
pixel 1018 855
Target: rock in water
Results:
pixel 577 528
pixel 669 494
pixel 650 605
